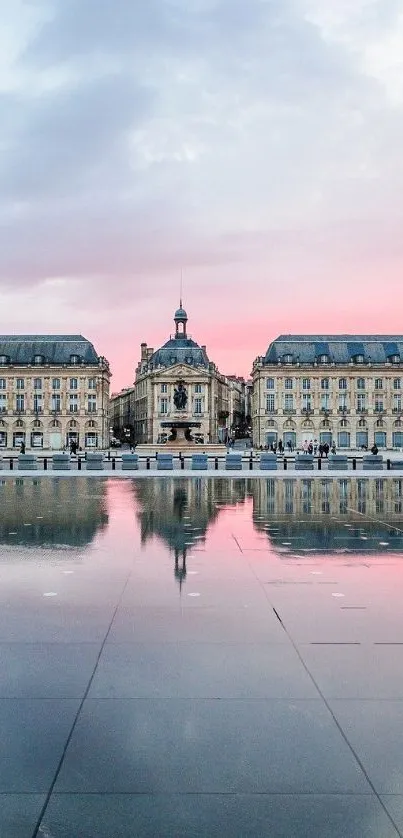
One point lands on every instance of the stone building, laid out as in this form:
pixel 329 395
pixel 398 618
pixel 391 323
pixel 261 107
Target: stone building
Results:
pixel 54 390
pixel 345 389
pixel 178 383
pixel 121 415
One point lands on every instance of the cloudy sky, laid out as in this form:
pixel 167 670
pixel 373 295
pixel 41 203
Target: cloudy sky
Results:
pixel 254 144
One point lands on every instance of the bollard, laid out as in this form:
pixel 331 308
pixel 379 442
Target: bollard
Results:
pixel 182 463
pixel 216 463
pixel 45 464
pixel 79 464
pixel 113 464
pixel 354 464
pixel 388 465
pixel 109 456
pixel 148 463
pixel 250 464
pixel 319 464
pixel 285 463
pixel 11 464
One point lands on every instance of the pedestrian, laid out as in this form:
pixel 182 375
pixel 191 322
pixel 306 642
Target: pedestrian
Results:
pixel 326 449
pixel 374 449
pixel 333 448
pixel 315 447
pixel 310 448
pixel 280 446
pixel 320 450
pixel 305 446
pixel 22 449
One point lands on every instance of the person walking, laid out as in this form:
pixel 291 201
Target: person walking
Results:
pixel 22 448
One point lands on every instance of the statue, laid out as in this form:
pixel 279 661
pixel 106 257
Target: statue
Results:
pixel 180 397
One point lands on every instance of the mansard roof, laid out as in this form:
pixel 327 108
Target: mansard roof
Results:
pixel 338 349
pixel 54 349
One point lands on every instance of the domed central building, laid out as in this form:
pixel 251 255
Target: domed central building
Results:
pixel 178 388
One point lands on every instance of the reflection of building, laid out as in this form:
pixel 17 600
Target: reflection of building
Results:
pixel 330 515
pixel 342 389
pixel 51 512
pixel 54 390
pixel 178 384
pixel 180 511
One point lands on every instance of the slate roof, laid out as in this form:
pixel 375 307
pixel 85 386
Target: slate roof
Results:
pixel 340 349
pixel 55 349
pixel 179 351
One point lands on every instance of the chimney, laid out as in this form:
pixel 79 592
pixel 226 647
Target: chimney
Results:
pixel 143 351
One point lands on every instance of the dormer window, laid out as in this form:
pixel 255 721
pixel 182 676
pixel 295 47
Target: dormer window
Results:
pixel 38 359
pixel 395 359
pixel 74 359
pixel 358 359
pixel 323 359
pixel 4 359
pixel 288 358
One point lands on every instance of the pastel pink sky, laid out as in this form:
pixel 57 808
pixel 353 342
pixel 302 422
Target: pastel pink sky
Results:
pixel 256 146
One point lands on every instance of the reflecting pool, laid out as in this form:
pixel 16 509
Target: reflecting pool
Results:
pixel 198 657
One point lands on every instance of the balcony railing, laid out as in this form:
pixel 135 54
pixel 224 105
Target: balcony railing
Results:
pixel 19 412
pixel 362 410
pixel 289 410
pixel 307 410
pixel 271 410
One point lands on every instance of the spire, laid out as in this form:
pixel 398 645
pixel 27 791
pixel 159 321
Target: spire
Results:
pixel 180 319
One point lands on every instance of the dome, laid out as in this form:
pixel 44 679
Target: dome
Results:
pixel 180 350
pixel 180 314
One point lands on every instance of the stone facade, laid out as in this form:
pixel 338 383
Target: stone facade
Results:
pixel 121 415
pixel 342 389
pixel 181 364
pixel 54 389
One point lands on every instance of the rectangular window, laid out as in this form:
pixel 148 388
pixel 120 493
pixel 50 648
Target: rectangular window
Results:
pixel 288 383
pixel 164 405
pixel 56 383
pixel 270 403
pixel 198 405
pixel 306 383
pixel 92 384
pixel 20 383
pixel 289 402
pixel 360 383
pixel 342 383
pixel 92 404
pixel 342 401
pixel 324 384
pixel 3 403
pixel 73 383
pixel 378 404
pixel 37 384
pixel 270 383
pixel 55 402
pixel 20 402
pixel 73 403
pixel 396 383
pixel 3 384
pixel 361 402
pixel 91 439
pixel 198 388
pixel 378 383
pixel 325 401
pixel 306 402
pixel 164 388
pixel 38 402
pixel 397 403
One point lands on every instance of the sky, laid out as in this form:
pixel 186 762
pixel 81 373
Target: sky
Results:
pixel 255 146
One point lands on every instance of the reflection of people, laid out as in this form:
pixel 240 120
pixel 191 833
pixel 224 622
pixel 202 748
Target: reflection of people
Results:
pixel 22 449
pixel 180 397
